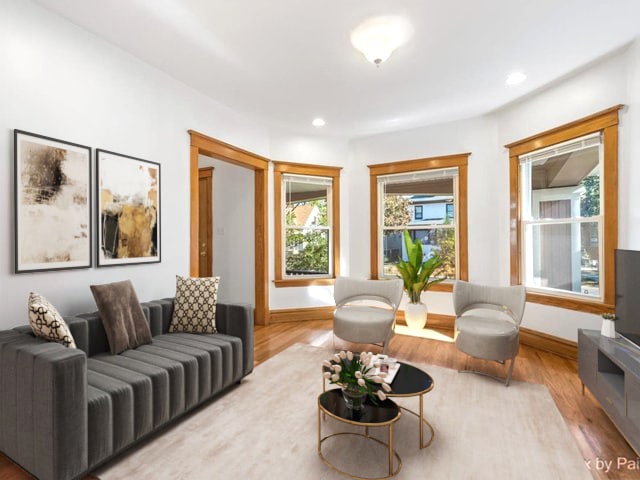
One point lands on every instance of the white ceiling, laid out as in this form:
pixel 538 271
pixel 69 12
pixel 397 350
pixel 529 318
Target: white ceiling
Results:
pixel 285 62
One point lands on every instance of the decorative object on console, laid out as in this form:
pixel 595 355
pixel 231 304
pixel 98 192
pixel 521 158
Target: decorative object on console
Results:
pixel 195 305
pixel 52 203
pixel 128 210
pixel 608 325
pixel 416 274
pixel 122 317
pixel 47 323
pixel 355 375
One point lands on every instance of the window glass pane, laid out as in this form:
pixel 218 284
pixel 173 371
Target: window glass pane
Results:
pixel 422 202
pixel 306 204
pixel 307 251
pixel 439 241
pixel 565 185
pixel 564 256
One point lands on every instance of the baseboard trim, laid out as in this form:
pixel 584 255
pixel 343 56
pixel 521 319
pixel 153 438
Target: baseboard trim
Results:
pixel 549 343
pixel 532 338
pixel 301 314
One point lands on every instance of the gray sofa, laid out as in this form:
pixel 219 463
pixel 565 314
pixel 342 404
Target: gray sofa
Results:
pixel 65 411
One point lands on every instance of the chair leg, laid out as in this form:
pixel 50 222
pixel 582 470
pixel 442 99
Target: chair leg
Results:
pixel 513 360
pixel 384 347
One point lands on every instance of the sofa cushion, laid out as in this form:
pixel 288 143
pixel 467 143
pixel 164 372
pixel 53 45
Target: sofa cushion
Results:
pixel 47 323
pixel 122 316
pixel 195 305
pixel 100 425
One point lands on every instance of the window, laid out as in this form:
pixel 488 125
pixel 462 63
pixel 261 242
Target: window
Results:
pixel 564 186
pixel 307 224
pixel 423 197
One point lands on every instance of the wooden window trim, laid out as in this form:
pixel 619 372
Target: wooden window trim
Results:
pixel 461 161
pixel 606 122
pixel 313 170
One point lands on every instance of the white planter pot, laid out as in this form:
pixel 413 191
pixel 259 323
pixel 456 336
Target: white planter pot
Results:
pixel 608 328
pixel 415 314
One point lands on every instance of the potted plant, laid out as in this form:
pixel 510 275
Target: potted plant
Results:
pixel 608 325
pixel 355 375
pixel 416 276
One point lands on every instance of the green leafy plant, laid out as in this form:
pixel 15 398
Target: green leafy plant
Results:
pixel 415 273
pixel 356 373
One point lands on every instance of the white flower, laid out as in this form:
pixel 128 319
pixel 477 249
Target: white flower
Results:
pixel 326 374
pixel 326 363
pixel 343 354
pixel 350 355
pixel 337 358
pixel 382 375
pixel 361 382
pixel 358 374
pixel 337 368
pixel 381 395
pixel 335 377
pixel 376 364
pixel 386 387
pixel 377 379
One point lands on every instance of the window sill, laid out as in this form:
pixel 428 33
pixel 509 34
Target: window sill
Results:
pixel 303 282
pixel 570 303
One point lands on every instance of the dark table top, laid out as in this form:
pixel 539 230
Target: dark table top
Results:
pixel 383 413
pixel 409 381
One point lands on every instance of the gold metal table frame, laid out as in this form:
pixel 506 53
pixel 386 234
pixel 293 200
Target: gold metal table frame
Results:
pixel 392 453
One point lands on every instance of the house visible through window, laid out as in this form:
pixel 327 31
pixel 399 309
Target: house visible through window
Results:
pixel 561 218
pixel 431 195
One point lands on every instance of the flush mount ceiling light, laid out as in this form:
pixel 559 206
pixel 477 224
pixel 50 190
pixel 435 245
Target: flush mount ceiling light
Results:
pixel 378 37
pixel 515 78
pixel 318 122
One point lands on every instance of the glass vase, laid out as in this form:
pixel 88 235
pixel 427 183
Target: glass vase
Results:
pixel 354 397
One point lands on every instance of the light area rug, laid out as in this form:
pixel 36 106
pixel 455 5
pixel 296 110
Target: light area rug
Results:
pixel 266 428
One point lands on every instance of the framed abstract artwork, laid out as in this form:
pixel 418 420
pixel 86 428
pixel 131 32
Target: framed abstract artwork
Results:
pixel 128 212
pixel 52 198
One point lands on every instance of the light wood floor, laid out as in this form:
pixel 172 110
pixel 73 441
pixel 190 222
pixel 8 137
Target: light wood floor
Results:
pixel 593 431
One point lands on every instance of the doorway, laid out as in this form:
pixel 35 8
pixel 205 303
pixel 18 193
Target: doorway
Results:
pixel 211 147
pixel 205 221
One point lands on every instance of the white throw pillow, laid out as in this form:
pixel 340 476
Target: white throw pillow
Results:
pixel 47 323
pixel 194 308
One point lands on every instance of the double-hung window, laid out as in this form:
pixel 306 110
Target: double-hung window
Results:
pixel 307 223
pixel 564 213
pixel 427 197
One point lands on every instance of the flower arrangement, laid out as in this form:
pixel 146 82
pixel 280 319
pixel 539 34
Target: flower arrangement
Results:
pixel 356 373
pixel 609 316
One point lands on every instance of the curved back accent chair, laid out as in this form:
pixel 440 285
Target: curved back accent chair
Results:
pixel 362 323
pixel 488 322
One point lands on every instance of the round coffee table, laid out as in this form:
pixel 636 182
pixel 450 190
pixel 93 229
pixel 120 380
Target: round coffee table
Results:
pixel 410 381
pixel 383 414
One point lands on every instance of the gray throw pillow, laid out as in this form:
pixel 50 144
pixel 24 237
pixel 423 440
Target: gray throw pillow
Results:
pixel 194 308
pixel 47 323
pixel 122 316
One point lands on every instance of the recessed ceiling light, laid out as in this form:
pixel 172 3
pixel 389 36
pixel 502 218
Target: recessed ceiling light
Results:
pixel 318 122
pixel 515 78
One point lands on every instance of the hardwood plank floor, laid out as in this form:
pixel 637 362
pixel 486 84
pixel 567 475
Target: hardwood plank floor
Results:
pixel 594 433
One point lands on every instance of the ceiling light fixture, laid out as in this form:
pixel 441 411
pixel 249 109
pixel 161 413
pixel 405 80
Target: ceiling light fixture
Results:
pixel 515 78
pixel 318 122
pixel 378 37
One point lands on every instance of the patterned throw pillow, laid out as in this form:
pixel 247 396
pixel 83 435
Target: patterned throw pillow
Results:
pixel 194 308
pixel 47 323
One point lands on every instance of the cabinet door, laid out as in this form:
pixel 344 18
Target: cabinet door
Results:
pixel 632 395
pixel 587 360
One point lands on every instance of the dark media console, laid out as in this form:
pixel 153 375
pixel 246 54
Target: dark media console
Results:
pixel 610 368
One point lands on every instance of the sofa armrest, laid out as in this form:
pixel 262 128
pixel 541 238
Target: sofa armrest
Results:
pixel 237 320
pixel 43 407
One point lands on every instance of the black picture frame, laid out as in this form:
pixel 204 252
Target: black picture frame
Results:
pixel 125 184
pixel 52 204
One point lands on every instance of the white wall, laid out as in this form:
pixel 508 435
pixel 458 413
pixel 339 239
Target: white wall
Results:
pixel 329 151
pixel 233 230
pixel 60 81
pixel 609 82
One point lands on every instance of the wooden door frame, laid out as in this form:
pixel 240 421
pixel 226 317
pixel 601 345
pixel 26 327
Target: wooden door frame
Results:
pixel 204 145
